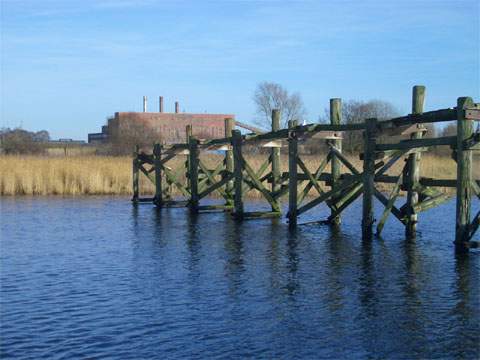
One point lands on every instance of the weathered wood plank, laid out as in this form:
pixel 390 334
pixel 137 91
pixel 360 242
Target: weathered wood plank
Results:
pixel 275 158
pixel 464 175
pixel 345 184
pixel 370 138
pixel 415 143
pixel 388 208
pixel 193 174
pixel 135 175
pixel 413 164
pixel 344 201
pixel 344 160
pixel 229 188
pixel 293 160
pixel 431 202
pixel 336 170
pixel 426 117
pixel 215 187
pixel 157 158
pixel 317 175
pixel 238 174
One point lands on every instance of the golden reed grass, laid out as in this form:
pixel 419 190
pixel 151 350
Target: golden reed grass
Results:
pixel 104 175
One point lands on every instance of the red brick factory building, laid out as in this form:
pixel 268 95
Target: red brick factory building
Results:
pixel 170 126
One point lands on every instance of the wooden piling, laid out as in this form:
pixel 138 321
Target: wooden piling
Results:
pixel 135 175
pixel 238 173
pixel 229 164
pixel 464 176
pixel 193 173
pixel 188 135
pixel 336 119
pixel 370 136
pixel 275 156
pixel 413 165
pixel 293 178
pixel 157 160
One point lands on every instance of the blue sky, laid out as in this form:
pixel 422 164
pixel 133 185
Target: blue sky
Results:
pixel 67 65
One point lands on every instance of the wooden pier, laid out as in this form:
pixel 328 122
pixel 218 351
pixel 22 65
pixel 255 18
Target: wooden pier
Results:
pixel 233 177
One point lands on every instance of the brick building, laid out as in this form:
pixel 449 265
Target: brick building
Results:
pixel 169 126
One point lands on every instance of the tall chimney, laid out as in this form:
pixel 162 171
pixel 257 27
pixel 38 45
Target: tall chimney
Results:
pixel 144 104
pixel 177 107
pixel 160 103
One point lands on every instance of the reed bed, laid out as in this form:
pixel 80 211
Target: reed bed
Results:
pixel 104 175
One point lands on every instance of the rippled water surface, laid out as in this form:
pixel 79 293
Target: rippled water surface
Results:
pixel 98 278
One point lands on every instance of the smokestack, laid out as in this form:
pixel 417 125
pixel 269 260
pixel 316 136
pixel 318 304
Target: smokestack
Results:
pixel 177 107
pixel 160 103
pixel 144 104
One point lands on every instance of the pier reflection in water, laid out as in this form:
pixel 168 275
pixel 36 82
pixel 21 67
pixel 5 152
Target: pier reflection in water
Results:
pixel 98 277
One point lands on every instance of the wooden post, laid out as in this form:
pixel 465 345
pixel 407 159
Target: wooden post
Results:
pixel 135 173
pixel 292 180
pixel 413 165
pixel 275 153
pixel 193 173
pixel 229 164
pixel 370 135
pixel 238 173
pixel 464 176
pixel 188 135
pixel 336 119
pixel 157 158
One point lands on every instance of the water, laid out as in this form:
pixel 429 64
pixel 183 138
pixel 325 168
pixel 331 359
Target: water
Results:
pixel 97 278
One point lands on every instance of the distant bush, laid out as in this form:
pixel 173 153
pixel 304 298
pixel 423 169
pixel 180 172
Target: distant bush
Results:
pixel 19 141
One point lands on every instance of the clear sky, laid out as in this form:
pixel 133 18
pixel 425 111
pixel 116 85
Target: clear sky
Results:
pixel 66 65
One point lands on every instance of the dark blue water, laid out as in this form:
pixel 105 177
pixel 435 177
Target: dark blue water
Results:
pixel 97 278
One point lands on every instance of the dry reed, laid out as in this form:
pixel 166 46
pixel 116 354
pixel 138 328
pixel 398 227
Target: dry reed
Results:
pixel 103 175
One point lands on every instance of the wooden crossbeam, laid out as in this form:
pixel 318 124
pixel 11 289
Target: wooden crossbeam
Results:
pixel 344 160
pixel 316 175
pixel 210 176
pixel 311 178
pixel 216 186
pixel 414 143
pixel 391 202
pixel 147 174
pixel 394 210
pixel 431 202
pixel 476 188
pixel 344 201
pixel 474 225
pixel 425 117
pixel 258 185
pixel 334 192
pixel 394 158
pixel 472 142
pixel 247 187
pixel 261 215
pixel 173 179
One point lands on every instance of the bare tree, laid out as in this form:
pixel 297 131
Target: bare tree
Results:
pixel 269 96
pixel 355 111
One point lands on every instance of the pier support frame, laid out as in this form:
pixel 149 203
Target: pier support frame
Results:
pixel 238 174
pixel 370 137
pixel 336 171
pixel 293 176
pixel 135 175
pixel 413 166
pixel 464 176
pixel 229 164
pixel 275 153
pixel 157 161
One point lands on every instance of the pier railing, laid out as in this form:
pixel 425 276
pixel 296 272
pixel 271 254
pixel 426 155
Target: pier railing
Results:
pixel 234 176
